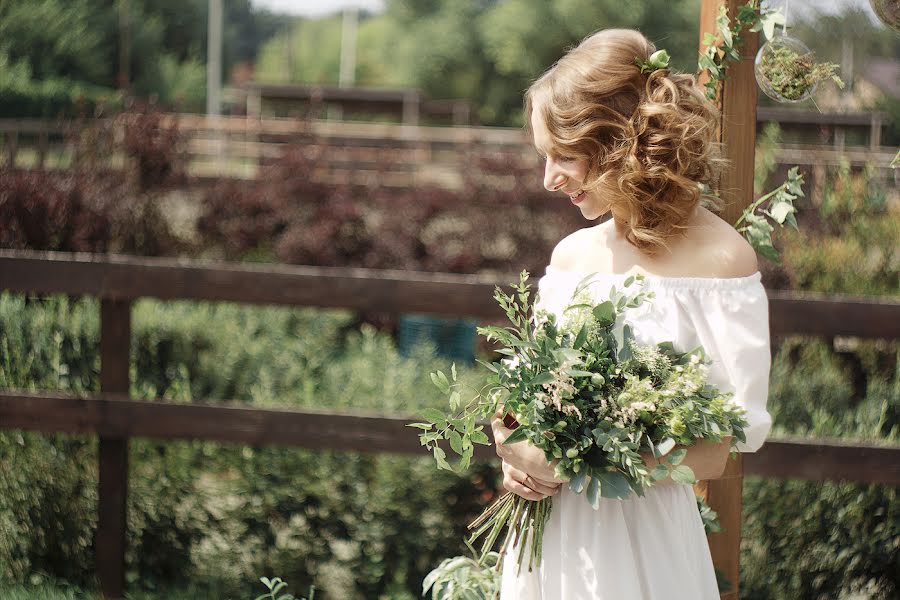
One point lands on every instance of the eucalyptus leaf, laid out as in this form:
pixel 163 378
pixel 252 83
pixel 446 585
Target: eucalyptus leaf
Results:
pixel 593 493
pixel 683 474
pixel 677 456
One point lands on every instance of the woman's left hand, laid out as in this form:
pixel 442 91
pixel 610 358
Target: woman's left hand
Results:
pixel 522 456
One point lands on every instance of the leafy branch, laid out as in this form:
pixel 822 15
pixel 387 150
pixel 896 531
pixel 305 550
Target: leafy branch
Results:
pixel 777 206
pixel 723 46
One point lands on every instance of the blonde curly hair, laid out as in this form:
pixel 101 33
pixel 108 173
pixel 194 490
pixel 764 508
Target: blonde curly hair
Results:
pixel 649 139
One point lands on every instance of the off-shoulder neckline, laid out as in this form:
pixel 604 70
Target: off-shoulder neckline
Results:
pixel 663 281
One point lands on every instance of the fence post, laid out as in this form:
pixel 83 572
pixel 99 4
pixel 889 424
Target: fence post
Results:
pixel 115 352
pixel 737 132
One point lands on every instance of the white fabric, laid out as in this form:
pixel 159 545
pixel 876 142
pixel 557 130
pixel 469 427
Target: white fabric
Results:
pixel 653 548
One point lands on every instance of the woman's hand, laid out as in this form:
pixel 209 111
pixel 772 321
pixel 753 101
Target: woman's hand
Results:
pixel 526 471
pixel 706 459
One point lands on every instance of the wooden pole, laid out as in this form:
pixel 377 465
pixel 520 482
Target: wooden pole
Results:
pixel 115 346
pixel 737 132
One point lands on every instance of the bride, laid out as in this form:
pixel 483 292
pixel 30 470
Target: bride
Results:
pixel 637 146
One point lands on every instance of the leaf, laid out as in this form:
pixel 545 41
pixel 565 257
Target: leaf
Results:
pixel 683 474
pixel 479 437
pixel 614 485
pixel 453 371
pixel 441 458
pixel 605 313
pixel 517 435
pixel 781 210
pixel 593 493
pixel 578 373
pixel 677 456
pixel 487 365
pixel 581 337
pixel 659 472
pixel 440 380
pixel 435 416
pixel 455 401
pixel 576 484
pixel 456 442
pixel 708 39
pixel 422 426
pixel 542 378
pixel 664 447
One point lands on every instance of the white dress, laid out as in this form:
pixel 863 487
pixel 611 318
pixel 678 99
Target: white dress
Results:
pixel 653 547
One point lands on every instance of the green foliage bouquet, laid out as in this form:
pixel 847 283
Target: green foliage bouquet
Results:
pixel 584 391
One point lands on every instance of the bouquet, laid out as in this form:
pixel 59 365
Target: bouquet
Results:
pixel 586 393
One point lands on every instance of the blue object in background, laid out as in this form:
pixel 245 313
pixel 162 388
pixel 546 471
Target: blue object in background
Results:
pixel 454 338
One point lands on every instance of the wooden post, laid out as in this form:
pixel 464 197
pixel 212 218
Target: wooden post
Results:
pixel 115 352
pixel 737 131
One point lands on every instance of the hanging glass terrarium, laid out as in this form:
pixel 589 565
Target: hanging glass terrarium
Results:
pixel 780 68
pixel 888 11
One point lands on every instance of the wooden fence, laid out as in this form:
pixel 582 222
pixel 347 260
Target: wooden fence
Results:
pixel 361 153
pixel 119 281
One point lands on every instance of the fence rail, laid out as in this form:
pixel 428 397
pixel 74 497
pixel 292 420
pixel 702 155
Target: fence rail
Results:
pixel 118 281
pixel 812 460
pixel 401 155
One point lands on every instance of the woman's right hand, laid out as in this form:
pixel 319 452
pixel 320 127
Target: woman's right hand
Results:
pixel 526 471
pixel 529 487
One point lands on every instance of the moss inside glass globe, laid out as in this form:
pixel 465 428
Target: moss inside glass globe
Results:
pixel 782 68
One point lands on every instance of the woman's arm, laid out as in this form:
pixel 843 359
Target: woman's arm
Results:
pixel 706 459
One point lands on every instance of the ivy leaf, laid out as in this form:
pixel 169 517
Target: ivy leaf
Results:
pixel 781 210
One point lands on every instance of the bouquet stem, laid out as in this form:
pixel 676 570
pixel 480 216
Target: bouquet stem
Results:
pixel 523 520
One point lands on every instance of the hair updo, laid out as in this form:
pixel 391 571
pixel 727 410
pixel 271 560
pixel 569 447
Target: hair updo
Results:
pixel 649 139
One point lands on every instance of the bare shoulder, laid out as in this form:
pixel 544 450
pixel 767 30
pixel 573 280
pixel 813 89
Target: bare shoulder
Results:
pixel 566 252
pixel 728 253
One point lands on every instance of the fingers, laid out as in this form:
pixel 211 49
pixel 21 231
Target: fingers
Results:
pixel 527 486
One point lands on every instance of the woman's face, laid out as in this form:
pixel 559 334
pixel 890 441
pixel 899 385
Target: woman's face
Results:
pixel 565 174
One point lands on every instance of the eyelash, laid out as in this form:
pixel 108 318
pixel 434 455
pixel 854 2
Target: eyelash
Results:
pixel 559 158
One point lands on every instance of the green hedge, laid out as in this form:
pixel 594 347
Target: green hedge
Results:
pixel 355 525
pixel 362 525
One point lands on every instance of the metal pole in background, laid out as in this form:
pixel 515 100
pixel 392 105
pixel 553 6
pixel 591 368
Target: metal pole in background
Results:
pixel 214 60
pixel 348 48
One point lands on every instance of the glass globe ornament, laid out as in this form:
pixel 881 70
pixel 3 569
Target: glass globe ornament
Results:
pixel 888 11
pixel 781 68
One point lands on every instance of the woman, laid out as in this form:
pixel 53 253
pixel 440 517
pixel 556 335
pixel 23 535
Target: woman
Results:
pixel 637 146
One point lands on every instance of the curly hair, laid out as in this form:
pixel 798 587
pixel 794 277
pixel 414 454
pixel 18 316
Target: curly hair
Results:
pixel 650 140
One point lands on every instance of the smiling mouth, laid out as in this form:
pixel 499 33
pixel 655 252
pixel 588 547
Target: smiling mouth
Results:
pixel 577 196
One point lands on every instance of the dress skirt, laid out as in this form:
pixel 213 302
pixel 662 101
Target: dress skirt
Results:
pixel 645 548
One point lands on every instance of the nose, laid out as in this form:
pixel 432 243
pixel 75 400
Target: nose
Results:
pixel 554 178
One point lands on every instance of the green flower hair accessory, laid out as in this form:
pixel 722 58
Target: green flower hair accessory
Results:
pixel 657 60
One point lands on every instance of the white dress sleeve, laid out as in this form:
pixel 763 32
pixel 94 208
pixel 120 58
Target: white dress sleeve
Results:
pixel 732 324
